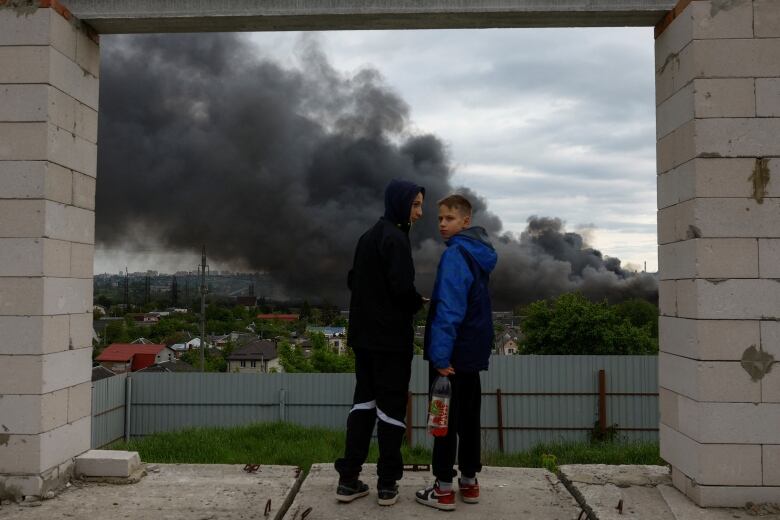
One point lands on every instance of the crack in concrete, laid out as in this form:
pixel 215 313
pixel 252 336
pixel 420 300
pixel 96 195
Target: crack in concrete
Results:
pixel 760 179
pixel 693 232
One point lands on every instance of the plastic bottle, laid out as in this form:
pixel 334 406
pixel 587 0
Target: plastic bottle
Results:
pixel 439 410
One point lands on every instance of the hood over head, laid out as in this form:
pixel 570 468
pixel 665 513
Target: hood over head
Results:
pixel 476 242
pixel 399 196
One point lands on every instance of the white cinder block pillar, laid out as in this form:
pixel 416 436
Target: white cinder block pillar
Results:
pixel 718 125
pixel 48 152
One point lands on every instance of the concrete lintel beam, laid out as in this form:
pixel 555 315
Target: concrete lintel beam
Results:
pixel 151 16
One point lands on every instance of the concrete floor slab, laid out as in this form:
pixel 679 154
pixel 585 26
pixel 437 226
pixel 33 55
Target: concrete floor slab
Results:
pixel 645 493
pixel 172 492
pixel 506 493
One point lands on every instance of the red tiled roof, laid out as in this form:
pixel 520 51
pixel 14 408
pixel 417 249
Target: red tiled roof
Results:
pixel 125 351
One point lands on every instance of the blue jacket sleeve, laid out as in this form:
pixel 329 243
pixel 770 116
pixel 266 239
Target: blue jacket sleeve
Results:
pixel 453 281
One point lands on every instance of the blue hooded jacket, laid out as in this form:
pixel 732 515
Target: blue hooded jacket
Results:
pixel 459 332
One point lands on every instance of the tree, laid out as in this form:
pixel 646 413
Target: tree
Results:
pixel 292 359
pixel 640 313
pixel 571 324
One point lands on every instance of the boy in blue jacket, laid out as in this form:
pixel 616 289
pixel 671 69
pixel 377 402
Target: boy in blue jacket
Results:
pixel 458 342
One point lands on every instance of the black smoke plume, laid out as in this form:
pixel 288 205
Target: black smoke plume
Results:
pixel 281 168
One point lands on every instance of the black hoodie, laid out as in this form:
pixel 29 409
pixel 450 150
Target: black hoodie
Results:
pixel 384 299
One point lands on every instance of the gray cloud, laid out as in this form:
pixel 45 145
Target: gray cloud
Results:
pixel 280 168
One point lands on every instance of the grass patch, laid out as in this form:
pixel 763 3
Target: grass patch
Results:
pixel 289 444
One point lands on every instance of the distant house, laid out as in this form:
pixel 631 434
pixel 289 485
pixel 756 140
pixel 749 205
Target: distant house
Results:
pixel 170 366
pixel 130 357
pixel 180 348
pixel 336 336
pixel 99 310
pixel 507 346
pixel 279 317
pixel 258 356
pixel 146 319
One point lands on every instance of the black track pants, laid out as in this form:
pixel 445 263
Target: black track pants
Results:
pixel 380 393
pixel 463 435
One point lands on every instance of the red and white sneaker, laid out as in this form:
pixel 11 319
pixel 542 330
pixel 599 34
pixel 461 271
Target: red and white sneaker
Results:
pixel 469 493
pixel 434 497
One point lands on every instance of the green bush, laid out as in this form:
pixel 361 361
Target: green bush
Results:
pixel 571 324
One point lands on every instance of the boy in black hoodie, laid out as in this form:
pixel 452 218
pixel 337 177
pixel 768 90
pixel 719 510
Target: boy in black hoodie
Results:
pixel 381 333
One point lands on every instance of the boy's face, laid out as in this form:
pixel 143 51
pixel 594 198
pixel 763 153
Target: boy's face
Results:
pixel 416 213
pixel 452 221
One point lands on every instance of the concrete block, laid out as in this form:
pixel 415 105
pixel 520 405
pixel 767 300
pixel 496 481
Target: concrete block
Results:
pixel 766 16
pixel 710 340
pixel 88 54
pixel 21 296
pixel 67 295
pixel 23 103
pixel 83 191
pixel 24 64
pixel 770 338
pixel 674 38
pixel 667 189
pixel 770 385
pixel 737 137
pixel 676 69
pixel 773 187
pixel 79 401
pixel 667 404
pixel 32 29
pixel 734 496
pixel 736 58
pixel 769 258
pixel 741 299
pixel 768 97
pixel 69 223
pixel 63 35
pixel 678 147
pixel 82 261
pixel 720 19
pixel 20 454
pixel 709 258
pixel 34 257
pixel 33 414
pixel 667 297
pixel 34 335
pixel 712 464
pixel 731 97
pixel 704 381
pixel 35 180
pixel 727 218
pixel 44 296
pixel 675 111
pixel 729 423
pixel 71 151
pixel 71 115
pixel 68 441
pixel 45 373
pixel 72 79
pixel 19 486
pixel 676 223
pixel 771 463
pixel 23 141
pixel 107 463
pixel 81 330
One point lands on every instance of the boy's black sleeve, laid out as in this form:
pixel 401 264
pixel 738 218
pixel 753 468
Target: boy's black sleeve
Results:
pixel 398 266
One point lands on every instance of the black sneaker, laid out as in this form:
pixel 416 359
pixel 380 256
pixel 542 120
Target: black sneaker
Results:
pixel 349 491
pixel 387 495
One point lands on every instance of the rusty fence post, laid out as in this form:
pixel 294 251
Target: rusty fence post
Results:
pixel 500 410
pixel 602 401
pixel 409 425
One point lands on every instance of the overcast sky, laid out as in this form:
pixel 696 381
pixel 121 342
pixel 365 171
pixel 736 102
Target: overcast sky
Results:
pixel 547 122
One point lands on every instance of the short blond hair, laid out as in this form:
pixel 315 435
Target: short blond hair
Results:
pixel 458 203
